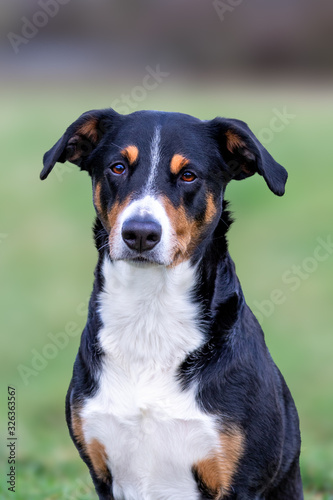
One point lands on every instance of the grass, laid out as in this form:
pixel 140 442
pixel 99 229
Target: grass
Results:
pixel 47 260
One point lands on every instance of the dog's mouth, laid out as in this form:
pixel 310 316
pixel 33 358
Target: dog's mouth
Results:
pixel 140 260
pixel 142 263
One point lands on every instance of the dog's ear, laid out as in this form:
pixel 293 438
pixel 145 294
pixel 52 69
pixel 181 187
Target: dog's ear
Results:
pixel 245 155
pixel 79 140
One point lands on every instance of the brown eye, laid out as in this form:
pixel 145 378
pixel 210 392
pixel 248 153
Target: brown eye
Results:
pixel 118 169
pixel 188 176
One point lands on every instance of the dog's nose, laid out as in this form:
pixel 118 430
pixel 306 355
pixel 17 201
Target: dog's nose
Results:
pixel 141 235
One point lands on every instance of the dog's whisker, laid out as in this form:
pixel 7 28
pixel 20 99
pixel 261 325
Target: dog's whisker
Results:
pixel 116 145
pixel 103 246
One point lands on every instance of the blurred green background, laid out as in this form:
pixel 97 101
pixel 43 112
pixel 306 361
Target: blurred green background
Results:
pixel 48 257
pixel 254 61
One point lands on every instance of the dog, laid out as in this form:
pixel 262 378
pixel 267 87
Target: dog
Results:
pixel 174 394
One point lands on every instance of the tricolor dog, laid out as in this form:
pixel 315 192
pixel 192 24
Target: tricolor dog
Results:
pixel 174 394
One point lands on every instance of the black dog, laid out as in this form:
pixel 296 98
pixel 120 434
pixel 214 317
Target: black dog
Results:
pixel 174 394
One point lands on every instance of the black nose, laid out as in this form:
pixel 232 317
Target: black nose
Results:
pixel 141 235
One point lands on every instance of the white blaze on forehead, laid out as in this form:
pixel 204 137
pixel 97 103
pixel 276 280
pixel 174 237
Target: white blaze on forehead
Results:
pixel 154 156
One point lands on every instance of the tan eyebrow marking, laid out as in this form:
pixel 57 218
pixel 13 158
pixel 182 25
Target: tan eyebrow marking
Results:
pixel 177 163
pixel 234 141
pixel 131 154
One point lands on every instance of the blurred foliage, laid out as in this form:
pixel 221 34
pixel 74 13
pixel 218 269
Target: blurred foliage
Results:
pixel 47 259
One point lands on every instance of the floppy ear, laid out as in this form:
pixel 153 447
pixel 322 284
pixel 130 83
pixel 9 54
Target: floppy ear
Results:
pixel 79 140
pixel 245 155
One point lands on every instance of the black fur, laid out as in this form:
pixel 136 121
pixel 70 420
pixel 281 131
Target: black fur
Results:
pixel 236 376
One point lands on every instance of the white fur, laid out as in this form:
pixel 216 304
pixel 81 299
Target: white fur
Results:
pixel 153 431
pixel 154 158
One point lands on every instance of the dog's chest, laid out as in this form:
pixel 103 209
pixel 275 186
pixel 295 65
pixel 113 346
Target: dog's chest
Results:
pixel 153 431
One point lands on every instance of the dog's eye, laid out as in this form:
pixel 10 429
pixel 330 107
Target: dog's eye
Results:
pixel 188 176
pixel 118 169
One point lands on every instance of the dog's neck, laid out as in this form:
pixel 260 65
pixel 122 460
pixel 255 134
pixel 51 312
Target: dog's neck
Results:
pixel 166 313
pixel 148 313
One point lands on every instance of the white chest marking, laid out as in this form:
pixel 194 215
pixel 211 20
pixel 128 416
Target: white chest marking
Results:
pixel 153 432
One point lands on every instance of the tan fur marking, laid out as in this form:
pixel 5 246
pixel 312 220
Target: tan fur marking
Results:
pixel 77 425
pixel 113 217
pixel 87 132
pixel 97 454
pixel 217 471
pixel 209 471
pixel 94 450
pixel 177 163
pixel 211 209
pixel 234 141
pixel 89 129
pixel 115 211
pixel 186 231
pixel 97 198
pixel 131 153
pixel 98 205
pixel 232 444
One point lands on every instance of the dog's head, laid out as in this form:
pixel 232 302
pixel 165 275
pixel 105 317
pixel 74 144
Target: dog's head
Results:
pixel 159 178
